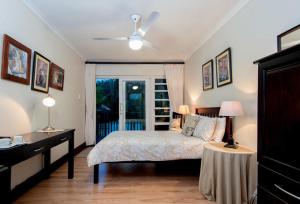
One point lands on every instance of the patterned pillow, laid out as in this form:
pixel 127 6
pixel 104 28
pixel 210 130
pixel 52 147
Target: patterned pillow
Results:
pixel 205 128
pixel 219 130
pixel 189 126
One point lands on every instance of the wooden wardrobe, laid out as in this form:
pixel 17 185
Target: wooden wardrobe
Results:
pixel 279 127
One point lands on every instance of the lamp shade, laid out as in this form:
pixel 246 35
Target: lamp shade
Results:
pixel 231 108
pixel 49 101
pixel 184 109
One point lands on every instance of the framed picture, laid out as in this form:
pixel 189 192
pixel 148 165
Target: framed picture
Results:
pixel 40 75
pixel 16 60
pixel 57 75
pixel 223 68
pixel 289 38
pixel 207 75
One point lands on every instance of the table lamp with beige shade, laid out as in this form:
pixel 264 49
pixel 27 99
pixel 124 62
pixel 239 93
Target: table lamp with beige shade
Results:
pixel 231 109
pixel 184 110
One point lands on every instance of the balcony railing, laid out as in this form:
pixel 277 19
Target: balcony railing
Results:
pixel 109 122
pixel 135 124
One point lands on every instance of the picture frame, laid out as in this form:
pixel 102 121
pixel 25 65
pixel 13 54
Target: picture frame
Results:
pixel 40 73
pixel 16 61
pixel 57 75
pixel 207 75
pixel 288 38
pixel 224 68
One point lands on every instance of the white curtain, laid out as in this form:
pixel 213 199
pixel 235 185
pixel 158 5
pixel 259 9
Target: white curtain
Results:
pixel 174 76
pixel 90 104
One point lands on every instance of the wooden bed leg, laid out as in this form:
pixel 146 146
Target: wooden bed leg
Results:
pixel 96 173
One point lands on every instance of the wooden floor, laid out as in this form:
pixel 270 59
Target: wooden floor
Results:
pixel 119 183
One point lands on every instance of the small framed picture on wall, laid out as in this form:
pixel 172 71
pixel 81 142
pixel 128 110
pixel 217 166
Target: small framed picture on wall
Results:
pixel 40 75
pixel 207 75
pixel 16 61
pixel 224 68
pixel 57 75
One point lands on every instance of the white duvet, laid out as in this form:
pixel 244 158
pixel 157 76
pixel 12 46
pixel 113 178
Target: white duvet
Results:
pixel 123 146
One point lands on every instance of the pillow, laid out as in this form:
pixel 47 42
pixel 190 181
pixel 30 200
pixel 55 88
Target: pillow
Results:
pixel 189 126
pixel 219 130
pixel 205 128
pixel 175 123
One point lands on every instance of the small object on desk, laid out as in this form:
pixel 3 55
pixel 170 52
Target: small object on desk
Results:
pixel 228 176
pixel 5 143
pixel 18 139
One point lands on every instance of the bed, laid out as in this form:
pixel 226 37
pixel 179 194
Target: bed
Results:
pixel 150 146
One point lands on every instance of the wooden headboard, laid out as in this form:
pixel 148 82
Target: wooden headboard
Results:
pixel 214 112
pixel 176 116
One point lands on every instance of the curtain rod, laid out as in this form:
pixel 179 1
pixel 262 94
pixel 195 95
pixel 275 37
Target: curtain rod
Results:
pixel 91 62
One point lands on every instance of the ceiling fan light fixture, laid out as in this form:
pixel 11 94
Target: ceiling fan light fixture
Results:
pixel 135 42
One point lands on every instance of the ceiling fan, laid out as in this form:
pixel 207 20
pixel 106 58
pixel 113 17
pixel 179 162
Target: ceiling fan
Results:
pixel 136 40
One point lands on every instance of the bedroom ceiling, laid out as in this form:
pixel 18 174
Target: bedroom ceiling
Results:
pixel 182 27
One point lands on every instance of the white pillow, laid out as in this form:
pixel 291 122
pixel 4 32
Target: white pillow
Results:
pixel 175 123
pixel 219 130
pixel 205 128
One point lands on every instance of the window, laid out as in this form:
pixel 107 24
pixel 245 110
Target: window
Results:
pixel 162 105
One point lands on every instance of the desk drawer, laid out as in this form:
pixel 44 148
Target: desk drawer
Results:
pixel 277 184
pixel 265 197
pixel 61 139
pixel 32 150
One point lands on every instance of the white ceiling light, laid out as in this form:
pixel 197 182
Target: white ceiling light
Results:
pixel 135 42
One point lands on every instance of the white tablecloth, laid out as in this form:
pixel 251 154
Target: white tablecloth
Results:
pixel 228 176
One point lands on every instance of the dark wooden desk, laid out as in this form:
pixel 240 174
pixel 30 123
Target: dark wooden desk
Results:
pixel 36 143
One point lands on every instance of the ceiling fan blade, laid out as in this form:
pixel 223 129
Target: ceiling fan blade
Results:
pixel 115 38
pixel 149 22
pixel 149 44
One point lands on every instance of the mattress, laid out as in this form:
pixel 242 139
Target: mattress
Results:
pixel 122 146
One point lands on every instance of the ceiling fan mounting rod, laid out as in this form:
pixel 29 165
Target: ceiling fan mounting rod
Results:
pixel 135 18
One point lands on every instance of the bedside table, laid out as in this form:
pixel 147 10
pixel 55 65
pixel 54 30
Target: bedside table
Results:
pixel 228 176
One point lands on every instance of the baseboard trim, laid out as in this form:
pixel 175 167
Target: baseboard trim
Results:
pixel 23 187
pixel 79 149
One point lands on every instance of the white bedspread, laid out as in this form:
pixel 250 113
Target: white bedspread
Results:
pixel 145 146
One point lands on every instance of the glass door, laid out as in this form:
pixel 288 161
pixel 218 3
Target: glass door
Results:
pixel 107 106
pixel 133 106
pixel 121 104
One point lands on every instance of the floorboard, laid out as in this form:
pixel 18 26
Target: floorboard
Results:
pixel 119 183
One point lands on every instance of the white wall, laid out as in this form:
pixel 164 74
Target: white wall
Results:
pixel 21 109
pixel 130 70
pixel 251 34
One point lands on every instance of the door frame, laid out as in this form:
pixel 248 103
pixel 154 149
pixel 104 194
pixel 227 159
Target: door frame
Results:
pixel 122 100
